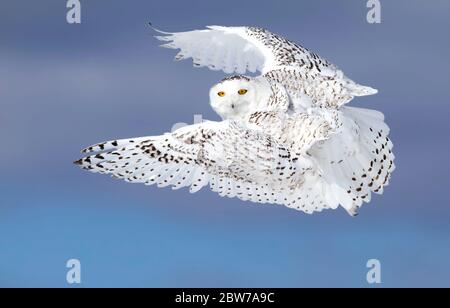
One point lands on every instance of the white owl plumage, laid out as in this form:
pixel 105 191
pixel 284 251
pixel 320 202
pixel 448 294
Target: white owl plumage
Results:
pixel 285 138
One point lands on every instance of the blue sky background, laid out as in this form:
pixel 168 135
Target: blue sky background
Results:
pixel 65 86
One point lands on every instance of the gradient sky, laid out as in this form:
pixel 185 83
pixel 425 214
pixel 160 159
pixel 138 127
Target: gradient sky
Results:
pixel 65 86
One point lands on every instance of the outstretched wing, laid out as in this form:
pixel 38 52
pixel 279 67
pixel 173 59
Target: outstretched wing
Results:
pixel 241 49
pixel 233 160
pixel 306 75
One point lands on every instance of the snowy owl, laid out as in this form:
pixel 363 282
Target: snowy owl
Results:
pixel 285 136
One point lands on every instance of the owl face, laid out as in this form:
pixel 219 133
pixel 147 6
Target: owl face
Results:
pixel 233 97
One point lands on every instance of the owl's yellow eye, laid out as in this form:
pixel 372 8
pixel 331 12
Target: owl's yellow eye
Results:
pixel 242 91
pixel 221 93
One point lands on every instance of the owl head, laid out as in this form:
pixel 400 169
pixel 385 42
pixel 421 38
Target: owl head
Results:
pixel 233 97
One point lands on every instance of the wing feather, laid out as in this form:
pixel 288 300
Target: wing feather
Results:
pixel 232 159
pixel 241 49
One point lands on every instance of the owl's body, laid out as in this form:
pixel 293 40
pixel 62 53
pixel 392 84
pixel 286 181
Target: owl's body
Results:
pixel 285 136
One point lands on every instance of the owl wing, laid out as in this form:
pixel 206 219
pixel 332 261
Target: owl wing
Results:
pixel 235 161
pixel 241 49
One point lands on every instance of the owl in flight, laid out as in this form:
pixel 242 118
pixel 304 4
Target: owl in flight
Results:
pixel 286 136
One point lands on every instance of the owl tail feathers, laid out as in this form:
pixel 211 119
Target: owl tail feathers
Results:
pixel 358 161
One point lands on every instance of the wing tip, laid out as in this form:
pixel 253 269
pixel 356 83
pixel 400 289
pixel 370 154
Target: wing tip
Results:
pixel 371 91
pixel 364 91
pixel 150 24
